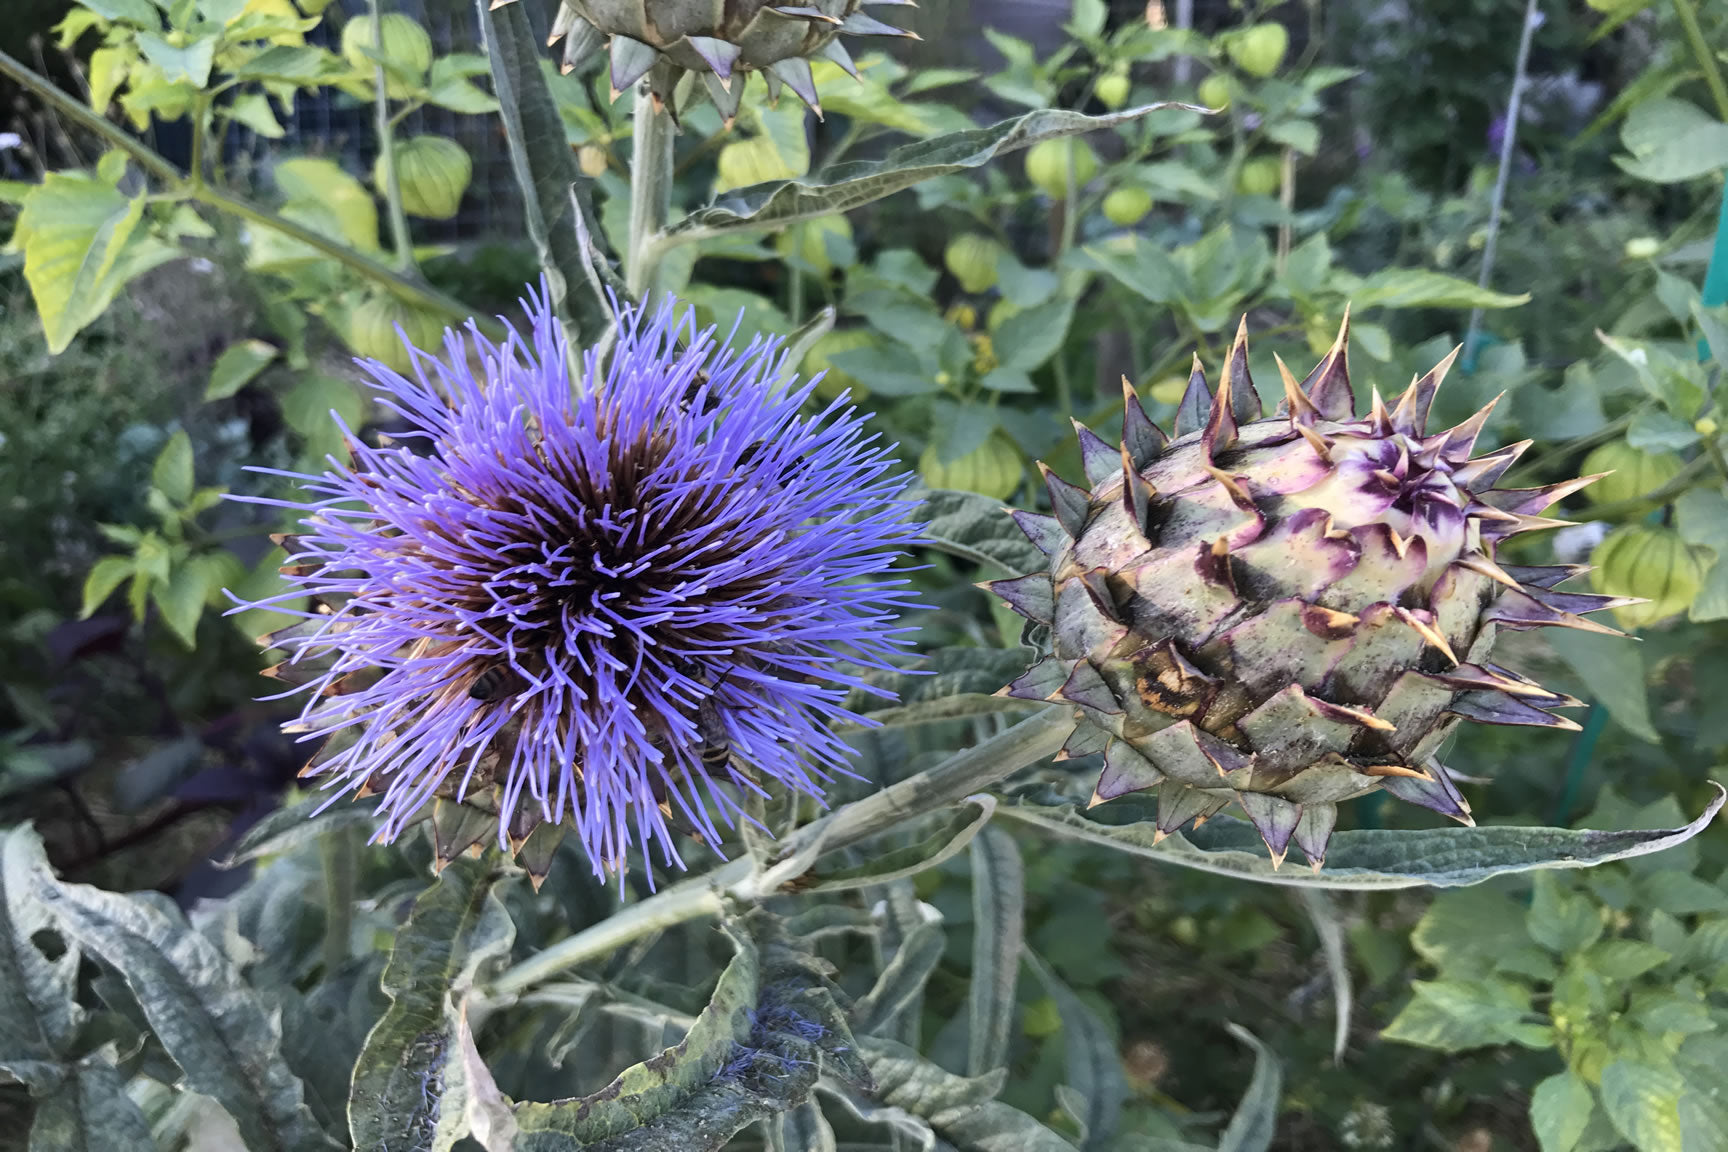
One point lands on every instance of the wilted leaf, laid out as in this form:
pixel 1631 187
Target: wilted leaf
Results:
pixel 1255 1120
pixel 211 1023
pixel 409 1090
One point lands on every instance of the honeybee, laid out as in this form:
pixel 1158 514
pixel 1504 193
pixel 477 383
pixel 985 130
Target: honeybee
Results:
pixel 496 681
pixel 716 745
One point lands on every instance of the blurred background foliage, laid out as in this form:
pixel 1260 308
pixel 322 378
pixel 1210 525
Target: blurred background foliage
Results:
pixel 154 346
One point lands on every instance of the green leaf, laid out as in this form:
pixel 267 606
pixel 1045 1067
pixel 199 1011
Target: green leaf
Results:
pixel 1421 288
pixel 1361 858
pixel 237 367
pixel 455 928
pixel 553 191
pixel 848 186
pixel 182 64
pixel 961 1110
pixel 172 472
pixel 140 13
pixel 1456 1015
pixel 1139 265
pixel 107 575
pixel 448 85
pixel 81 245
pixel 1033 336
pixel 1470 932
pixel 1561 920
pixel 998 935
pixel 976 528
pixel 953 830
pixel 38 1010
pixel 1624 959
pixel 1643 1101
pixel 213 1026
pixel 90 1112
pixel 314 180
pixel 1680 893
pixel 254 111
pixel 1560 1110
pixel 1255 1121
pixel 1671 141
pixel 302 64
pixel 1091 1065
pixel 1613 674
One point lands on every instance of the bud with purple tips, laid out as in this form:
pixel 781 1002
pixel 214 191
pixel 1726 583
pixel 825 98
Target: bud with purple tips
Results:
pixel 1287 611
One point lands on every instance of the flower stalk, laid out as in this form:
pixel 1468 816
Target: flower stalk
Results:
pixel 1036 738
pixel 650 190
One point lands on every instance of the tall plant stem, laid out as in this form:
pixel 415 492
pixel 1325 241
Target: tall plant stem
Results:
pixel 340 855
pixel 650 190
pixel 385 127
pixel 178 184
pixel 959 776
pixel 1701 50
pixel 1508 139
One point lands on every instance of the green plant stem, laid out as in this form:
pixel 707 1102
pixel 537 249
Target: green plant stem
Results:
pixel 961 775
pixel 650 191
pixel 340 854
pixel 179 184
pixel 386 129
pixel 200 130
pixel 1701 51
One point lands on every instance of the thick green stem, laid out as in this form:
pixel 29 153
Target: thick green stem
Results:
pixel 177 183
pixel 340 854
pixel 961 775
pixel 1701 51
pixel 386 130
pixel 650 191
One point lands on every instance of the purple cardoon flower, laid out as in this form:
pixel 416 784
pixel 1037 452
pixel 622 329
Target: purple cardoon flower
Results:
pixel 599 600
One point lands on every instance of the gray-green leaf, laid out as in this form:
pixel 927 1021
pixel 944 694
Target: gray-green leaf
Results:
pixel 211 1023
pixel 1362 858
pixel 409 1091
pixel 849 186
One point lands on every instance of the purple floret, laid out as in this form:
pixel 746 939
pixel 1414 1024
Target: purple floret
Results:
pixel 574 595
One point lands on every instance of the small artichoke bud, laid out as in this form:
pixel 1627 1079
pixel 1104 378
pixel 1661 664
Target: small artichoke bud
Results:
pixel 720 43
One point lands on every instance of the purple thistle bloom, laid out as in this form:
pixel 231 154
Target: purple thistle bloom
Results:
pixel 608 600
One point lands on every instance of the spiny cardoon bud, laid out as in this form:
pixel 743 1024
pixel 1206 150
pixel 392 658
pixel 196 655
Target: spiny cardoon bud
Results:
pixel 1288 611
pixel 607 602
pixel 721 42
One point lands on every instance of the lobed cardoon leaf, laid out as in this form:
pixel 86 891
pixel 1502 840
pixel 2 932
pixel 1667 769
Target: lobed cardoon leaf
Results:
pixel 1361 859
pixel 89 1111
pixel 1328 924
pixel 902 981
pixel 998 935
pixel 802 1129
pixel 1092 1068
pixel 410 1090
pixel 215 1028
pixel 1255 1120
pixel 848 186
pixel 769 1030
pixel 38 1009
pixel 963 1111
pixel 295 825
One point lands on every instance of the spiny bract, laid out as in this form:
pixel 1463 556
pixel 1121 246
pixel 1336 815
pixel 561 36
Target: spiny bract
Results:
pixel 721 41
pixel 1287 611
